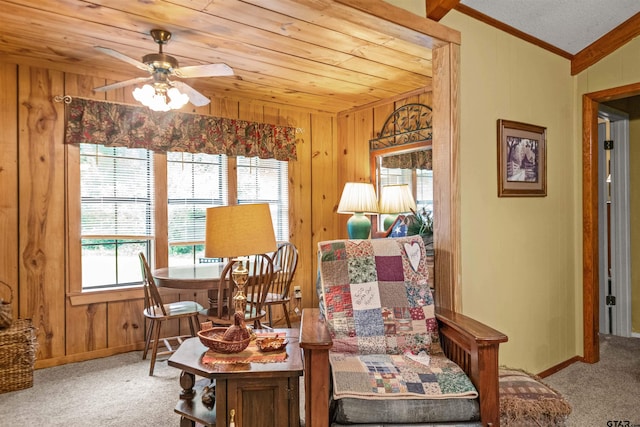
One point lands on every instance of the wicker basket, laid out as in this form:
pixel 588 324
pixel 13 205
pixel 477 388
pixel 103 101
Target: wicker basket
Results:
pixel 6 315
pixel 17 356
pixel 212 338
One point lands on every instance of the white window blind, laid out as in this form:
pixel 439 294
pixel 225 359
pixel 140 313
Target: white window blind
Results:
pixel 266 181
pixel 425 189
pixel 194 183
pixel 116 188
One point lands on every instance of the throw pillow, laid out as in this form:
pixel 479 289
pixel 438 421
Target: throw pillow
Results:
pixel 526 401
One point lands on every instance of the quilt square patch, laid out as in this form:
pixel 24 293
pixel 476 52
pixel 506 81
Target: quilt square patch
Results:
pixel 417 295
pixel 341 325
pixel 419 326
pixel 382 248
pixel 393 294
pixel 332 251
pixel 362 269
pixel 371 345
pixel 335 272
pixel 359 248
pixel 386 383
pixel 374 364
pixel 368 323
pixel 389 268
pixel 417 313
pixel 346 344
pixel 365 296
pixel 338 300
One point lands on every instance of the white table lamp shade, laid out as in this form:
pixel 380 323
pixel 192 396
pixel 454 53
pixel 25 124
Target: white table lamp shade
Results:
pixel 396 199
pixel 358 198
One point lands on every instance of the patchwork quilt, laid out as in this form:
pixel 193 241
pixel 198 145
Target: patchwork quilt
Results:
pixel 379 310
pixel 384 376
pixel 376 296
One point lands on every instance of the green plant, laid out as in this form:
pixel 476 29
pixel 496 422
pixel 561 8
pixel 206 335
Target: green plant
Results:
pixel 420 223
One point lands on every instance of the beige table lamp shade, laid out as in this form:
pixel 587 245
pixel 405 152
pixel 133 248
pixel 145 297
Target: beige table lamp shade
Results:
pixel 240 230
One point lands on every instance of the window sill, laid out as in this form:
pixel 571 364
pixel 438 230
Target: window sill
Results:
pixel 106 295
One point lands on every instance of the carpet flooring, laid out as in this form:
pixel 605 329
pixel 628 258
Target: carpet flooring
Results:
pixel 112 391
pixel 605 392
pixel 117 391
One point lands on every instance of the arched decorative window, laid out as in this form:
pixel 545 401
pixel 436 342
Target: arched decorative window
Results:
pixel 401 154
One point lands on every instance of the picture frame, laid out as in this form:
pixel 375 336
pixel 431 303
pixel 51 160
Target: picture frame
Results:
pixel 522 159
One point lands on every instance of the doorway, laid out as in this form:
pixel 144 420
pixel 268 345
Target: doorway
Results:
pixel 614 231
pixel 590 217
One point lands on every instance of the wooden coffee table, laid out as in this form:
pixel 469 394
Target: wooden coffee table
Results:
pixel 259 394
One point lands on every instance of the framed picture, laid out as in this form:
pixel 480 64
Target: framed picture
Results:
pixel 522 159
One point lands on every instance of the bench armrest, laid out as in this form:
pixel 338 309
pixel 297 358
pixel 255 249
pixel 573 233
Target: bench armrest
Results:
pixel 474 347
pixel 315 343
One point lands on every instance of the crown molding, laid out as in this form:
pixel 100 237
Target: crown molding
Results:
pixel 606 44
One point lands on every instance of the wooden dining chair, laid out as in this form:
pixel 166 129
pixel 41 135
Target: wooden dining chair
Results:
pixel 285 262
pixel 157 312
pixel 260 276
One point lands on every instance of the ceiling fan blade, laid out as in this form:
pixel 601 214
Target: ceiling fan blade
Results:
pixel 122 84
pixel 195 97
pixel 208 70
pixel 124 58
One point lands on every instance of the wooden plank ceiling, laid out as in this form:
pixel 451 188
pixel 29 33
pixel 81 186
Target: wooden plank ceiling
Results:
pixel 316 54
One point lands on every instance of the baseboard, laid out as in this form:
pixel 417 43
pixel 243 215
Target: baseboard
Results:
pixel 560 366
pixel 635 334
pixel 81 357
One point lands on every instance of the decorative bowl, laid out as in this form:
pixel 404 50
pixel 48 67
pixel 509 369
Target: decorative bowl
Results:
pixel 212 338
pixel 270 343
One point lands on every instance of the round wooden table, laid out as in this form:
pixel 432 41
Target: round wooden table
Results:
pixel 192 277
pixel 198 277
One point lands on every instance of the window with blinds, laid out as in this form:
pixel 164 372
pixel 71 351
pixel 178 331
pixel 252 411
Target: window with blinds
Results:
pixel 194 183
pixel 266 181
pixel 118 218
pixel 424 190
pixel 420 181
pixel 117 215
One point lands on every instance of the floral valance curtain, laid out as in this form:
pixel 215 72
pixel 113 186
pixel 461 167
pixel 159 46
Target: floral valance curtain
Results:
pixel 121 125
pixel 414 160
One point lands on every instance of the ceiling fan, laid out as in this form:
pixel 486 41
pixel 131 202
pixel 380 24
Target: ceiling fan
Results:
pixel 160 67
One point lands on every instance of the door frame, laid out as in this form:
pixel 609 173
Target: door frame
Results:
pixel 590 249
pixel 619 236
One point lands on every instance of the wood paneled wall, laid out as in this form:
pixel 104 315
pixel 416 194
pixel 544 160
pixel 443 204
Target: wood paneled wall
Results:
pixel 35 199
pixel 356 128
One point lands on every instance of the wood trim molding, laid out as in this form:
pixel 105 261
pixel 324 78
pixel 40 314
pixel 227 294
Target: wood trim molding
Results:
pixel 81 357
pixel 437 9
pixel 590 280
pixel 560 366
pixel 590 248
pixel 606 44
pixel 582 60
pixel 110 295
pixel 446 159
pixel 429 28
pixel 511 30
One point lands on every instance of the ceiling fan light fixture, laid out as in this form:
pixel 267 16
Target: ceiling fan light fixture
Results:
pixel 156 99
pixel 178 100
